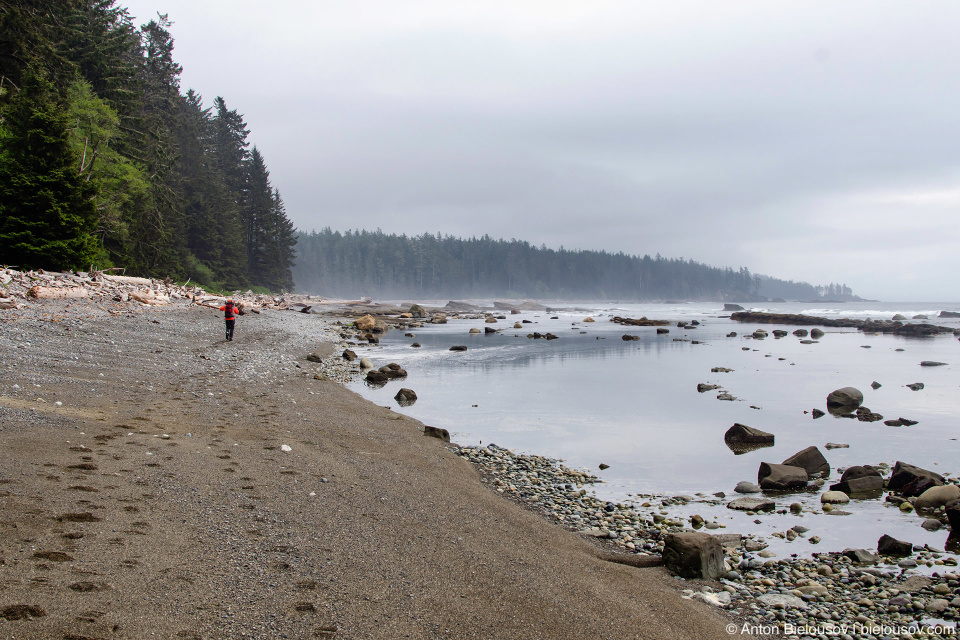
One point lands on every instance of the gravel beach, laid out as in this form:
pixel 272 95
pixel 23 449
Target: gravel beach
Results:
pixel 158 481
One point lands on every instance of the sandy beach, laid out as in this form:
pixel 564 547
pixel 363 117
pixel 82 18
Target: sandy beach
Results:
pixel 158 481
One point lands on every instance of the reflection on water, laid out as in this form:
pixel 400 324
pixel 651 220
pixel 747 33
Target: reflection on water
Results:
pixel 591 398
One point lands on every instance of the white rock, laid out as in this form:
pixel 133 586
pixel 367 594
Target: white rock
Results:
pixel 285 448
pixel 781 600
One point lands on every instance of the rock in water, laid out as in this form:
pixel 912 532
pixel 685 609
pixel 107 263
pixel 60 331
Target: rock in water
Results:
pixel 931 363
pixel 937 497
pixel 740 438
pixel 847 398
pixel 365 323
pixel 811 460
pixel 834 497
pixel 890 546
pixel 693 555
pixel 781 477
pixel 752 504
pixel 405 397
pixel 904 474
pixel 746 487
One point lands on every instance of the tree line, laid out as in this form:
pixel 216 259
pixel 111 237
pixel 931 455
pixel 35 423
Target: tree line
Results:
pixel 105 162
pixel 357 263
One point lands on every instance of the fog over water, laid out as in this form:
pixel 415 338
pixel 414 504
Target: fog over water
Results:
pixel 590 397
pixel 810 141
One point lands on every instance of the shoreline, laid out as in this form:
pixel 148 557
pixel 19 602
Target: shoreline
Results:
pixel 159 496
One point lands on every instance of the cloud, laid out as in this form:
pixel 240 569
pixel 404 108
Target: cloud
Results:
pixel 811 141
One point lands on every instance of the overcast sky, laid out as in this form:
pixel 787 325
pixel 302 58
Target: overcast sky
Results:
pixel 815 141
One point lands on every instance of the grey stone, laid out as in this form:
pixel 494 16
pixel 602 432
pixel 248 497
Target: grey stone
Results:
pixel 746 487
pixel 890 546
pixel 938 497
pixel 693 555
pixel 811 460
pixel 781 477
pixel 779 600
pixel 850 397
pixel 752 504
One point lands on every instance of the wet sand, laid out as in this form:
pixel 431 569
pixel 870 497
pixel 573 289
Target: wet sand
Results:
pixel 158 500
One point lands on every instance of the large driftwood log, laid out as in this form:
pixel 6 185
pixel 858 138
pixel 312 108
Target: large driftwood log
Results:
pixel 146 296
pixel 143 282
pixel 8 303
pixel 57 293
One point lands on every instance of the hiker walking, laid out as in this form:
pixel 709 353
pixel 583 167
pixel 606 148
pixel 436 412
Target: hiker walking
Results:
pixel 229 317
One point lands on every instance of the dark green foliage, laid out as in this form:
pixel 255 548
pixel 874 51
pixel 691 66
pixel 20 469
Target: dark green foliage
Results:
pixel 432 266
pixel 103 161
pixel 47 213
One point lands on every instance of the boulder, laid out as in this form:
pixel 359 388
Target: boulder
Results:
pixel 458 347
pixel 861 556
pixel 377 377
pixel 589 320
pixel 779 333
pixel 938 496
pixel 314 357
pixel 662 330
pixel 437 432
pixel 475 330
pixel 932 363
pixel 904 474
pixel 915 386
pixel 834 497
pixel 366 363
pixel 917 487
pixel 417 311
pixel 732 307
pixel 949 314
pixel 817 413
pixel 490 320
pixel 847 397
pixel 746 487
pixel 859 479
pixel 890 546
pixel 517 325
pixel 693 555
pixel 393 371
pixel 365 323
pixel 875 385
pixel 741 438
pixel 801 333
pixel 811 460
pixel 953 517
pixel 816 333
pixel 703 387
pixel 349 355
pixel 752 504
pixel 781 477
pixel 489 330
pixel 405 397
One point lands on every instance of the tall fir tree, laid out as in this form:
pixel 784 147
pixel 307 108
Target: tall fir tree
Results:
pixel 47 211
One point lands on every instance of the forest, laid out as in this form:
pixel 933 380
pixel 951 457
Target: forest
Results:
pixel 365 263
pixel 106 163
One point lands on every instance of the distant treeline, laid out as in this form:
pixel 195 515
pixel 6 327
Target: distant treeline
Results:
pixel 357 263
pixel 105 163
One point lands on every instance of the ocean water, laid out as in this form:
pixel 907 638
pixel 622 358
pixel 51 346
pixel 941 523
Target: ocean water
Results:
pixel 590 397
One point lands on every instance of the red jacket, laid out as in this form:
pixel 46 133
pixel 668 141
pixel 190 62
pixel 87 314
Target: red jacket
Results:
pixel 229 312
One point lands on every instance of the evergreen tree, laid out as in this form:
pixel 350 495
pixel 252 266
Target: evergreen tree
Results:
pixel 47 211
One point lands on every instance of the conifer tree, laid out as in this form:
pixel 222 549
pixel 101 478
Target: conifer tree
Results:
pixel 47 212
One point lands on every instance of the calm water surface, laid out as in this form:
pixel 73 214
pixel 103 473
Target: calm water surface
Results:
pixel 590 398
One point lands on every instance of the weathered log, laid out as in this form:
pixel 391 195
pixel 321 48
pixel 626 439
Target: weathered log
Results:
pixel 57 293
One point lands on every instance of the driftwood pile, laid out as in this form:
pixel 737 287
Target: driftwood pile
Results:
pixel 23 288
